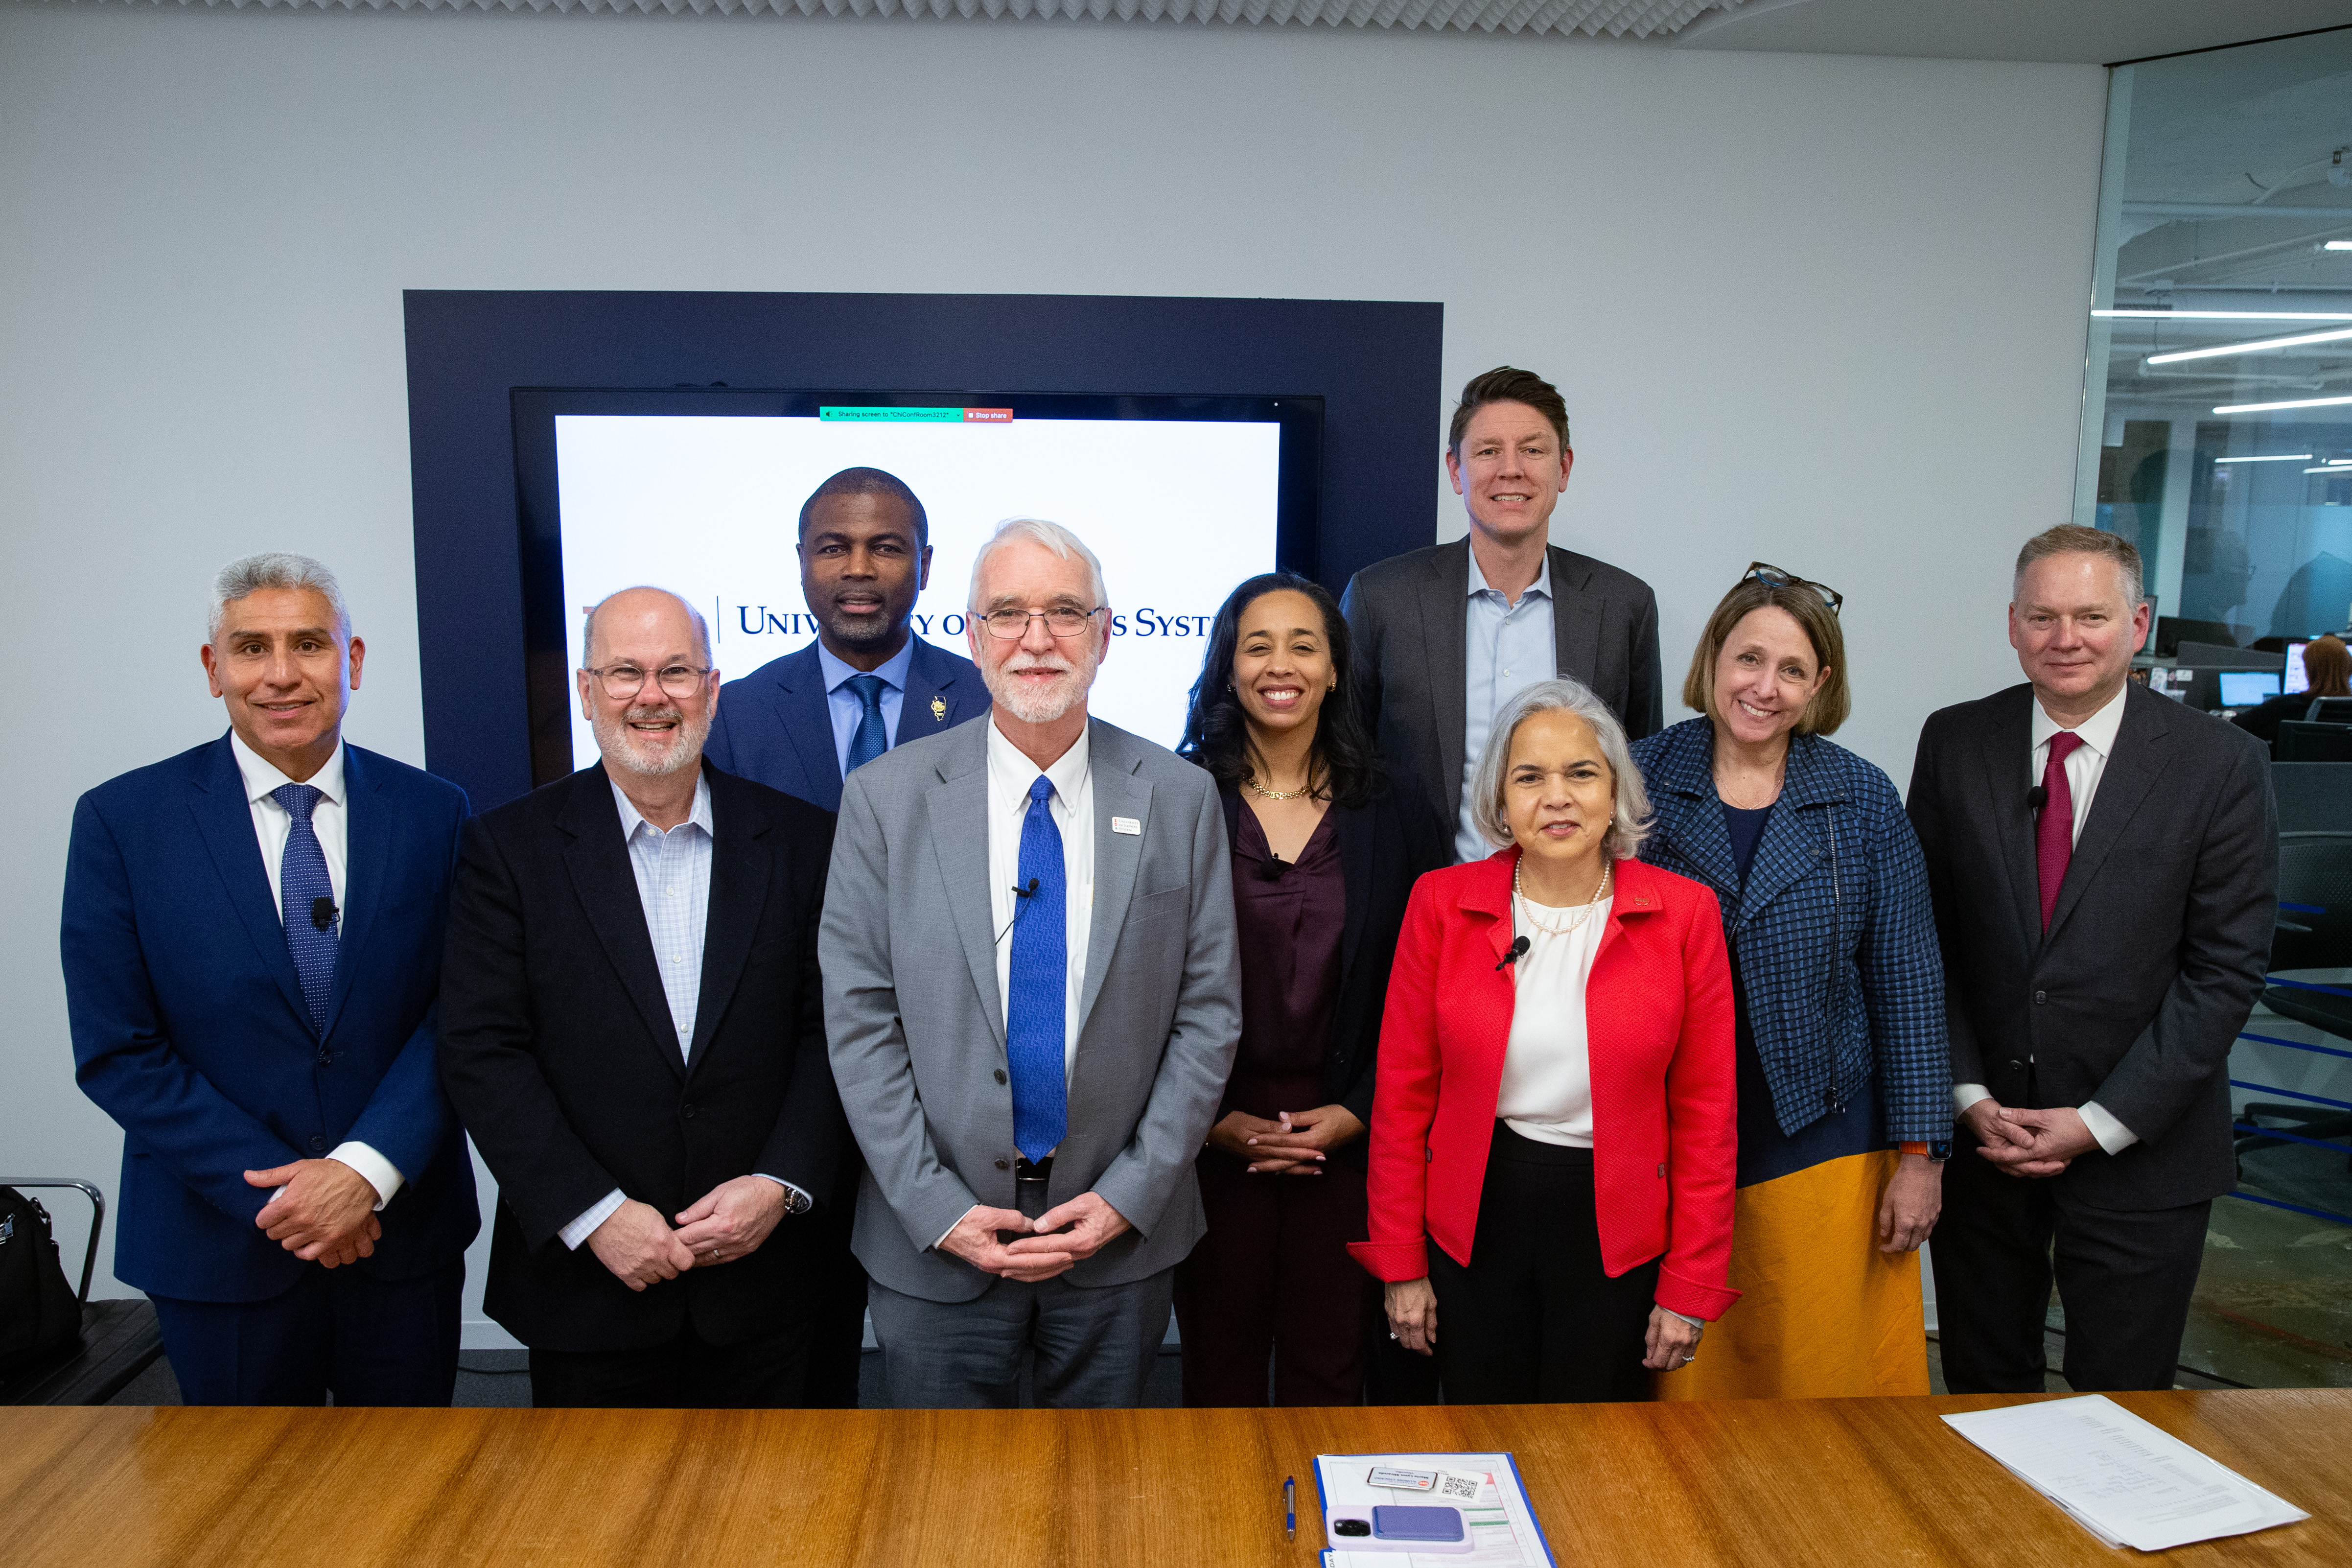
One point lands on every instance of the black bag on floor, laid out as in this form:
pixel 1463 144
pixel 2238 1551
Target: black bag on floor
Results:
pixel 40 1320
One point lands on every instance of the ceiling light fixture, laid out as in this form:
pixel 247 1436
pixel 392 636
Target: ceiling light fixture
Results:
pixel 2273 457
pixel 2258 345
pixel 2297 403
pixel 2130 313
pixel 2338 244
pixel 2342 469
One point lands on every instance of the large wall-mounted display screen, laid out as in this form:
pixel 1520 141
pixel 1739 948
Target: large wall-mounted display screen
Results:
pixel 700 491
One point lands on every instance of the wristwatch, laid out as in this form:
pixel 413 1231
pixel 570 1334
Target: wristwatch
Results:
pixel 796 1199
pixel 1937 1152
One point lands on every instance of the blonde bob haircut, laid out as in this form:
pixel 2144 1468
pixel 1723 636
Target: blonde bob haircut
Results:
pixel 1631 822
pixel 1805 605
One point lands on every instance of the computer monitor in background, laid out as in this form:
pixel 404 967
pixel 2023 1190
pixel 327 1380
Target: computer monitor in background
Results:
pixel 2248 687
pixel 2296 680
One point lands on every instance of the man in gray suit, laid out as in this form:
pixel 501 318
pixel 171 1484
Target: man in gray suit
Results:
pixel 1032 996
pixel 1446 635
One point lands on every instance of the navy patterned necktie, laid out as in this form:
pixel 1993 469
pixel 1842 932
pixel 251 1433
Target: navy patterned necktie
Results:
pixel 306 900
pixel 870 742
pixel 1035 1015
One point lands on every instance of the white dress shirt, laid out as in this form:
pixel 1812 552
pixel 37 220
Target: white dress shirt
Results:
pixel 1010 774
pixel 2085 767
pixel 330 820
pixel 1507 648
pixel 673 871
pixel 1547 1092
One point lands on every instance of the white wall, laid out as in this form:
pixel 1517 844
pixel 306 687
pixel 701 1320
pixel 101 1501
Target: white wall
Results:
pixel 1826 313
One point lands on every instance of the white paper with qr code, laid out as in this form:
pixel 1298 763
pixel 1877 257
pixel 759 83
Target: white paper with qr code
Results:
pixel 2126 1481
pixel 1499 1526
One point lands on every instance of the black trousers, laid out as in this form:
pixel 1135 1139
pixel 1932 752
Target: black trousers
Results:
pixel 687 1374
pixel 1533 1319
pixel 366 1341
pixel 834 1357
pixel 2125 1277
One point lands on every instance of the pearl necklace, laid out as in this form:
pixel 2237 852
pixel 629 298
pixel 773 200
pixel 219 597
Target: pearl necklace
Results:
pixel 1583 911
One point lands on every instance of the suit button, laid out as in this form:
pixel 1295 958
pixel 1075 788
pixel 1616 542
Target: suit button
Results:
pixel 999 1076
pixel 1004 1165
pixel 2040 997
pixel 2016 1066
pixel 686 1110
pixel 318 1144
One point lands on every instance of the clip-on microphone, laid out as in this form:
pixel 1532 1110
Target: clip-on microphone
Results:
pixel 2036 798
pixel 1511 954
pixel 1028 892
pixel 322 913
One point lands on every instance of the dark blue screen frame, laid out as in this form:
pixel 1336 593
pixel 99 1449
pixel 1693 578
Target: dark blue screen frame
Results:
pixel 1374 364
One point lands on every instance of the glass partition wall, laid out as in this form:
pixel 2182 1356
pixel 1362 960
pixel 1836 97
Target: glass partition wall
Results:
pixel 2217 436
pixel 2217 426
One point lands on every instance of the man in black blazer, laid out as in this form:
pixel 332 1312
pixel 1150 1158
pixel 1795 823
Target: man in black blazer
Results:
pixel 800 724
pixel 2104 868
pixel 1446 635
pixel 634 1032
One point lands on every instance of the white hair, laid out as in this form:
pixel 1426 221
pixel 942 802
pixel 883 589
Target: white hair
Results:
pixel 588 623
pixel 1054 537
pixel 274 569
pixel 1629 824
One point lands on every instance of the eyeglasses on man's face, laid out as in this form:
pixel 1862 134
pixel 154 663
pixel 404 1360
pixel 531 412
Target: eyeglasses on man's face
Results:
pixel 1759 571
pixel 623 681
pixel 1062 620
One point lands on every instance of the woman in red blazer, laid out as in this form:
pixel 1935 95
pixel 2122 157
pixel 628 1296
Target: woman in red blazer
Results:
pixel 1556 1107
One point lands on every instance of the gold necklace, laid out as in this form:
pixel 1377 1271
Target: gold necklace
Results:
pixel 1583 910
pixel 1249 781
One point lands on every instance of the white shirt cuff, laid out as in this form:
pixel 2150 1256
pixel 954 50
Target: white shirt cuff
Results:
pixel 378 1172
pixel 581 1229
pixel 1967 1094
pixel 2113 1136
pixel 950 1230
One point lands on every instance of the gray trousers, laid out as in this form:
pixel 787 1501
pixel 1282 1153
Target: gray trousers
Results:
pixel 1093 1348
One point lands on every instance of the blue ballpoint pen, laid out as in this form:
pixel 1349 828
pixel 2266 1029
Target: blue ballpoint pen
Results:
pixel 1290 1508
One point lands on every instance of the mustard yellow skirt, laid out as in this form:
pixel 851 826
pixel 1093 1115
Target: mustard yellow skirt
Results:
pixel 1822 1311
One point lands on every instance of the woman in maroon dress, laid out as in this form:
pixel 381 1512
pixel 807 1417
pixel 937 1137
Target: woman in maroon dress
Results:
pixel 1270 1300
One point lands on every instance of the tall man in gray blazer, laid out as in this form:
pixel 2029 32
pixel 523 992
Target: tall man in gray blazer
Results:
pixel 2105 869
pixel 1032 999
pixel 1446 635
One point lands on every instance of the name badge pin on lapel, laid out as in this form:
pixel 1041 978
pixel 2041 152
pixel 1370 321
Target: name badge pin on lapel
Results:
pixel 1126 824
pixel 939 709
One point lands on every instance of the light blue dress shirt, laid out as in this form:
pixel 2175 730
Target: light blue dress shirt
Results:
pixel 845 707
pixel 1507 648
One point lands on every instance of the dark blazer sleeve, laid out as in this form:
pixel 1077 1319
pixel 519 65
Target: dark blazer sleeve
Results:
pixel 1364 632
pixel 545 1174
pixel 2224 951
pixel 409 1117
pixel 1931 822
pixel 123 1057
pixel 1645 692
pixel 811 1133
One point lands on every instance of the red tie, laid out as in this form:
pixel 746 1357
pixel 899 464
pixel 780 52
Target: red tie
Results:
pixel 2053 836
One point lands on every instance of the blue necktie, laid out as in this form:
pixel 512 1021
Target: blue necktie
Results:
pixel 1034 1017
pixel 305 894
pixel 870 742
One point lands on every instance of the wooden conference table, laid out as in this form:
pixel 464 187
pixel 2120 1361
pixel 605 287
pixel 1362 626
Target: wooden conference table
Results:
pixel 1850 1481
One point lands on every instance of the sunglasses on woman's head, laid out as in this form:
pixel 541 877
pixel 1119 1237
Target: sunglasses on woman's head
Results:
pixel 1758 571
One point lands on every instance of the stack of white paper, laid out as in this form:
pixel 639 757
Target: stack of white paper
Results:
pixel 1498 1527
pixel 2124 1481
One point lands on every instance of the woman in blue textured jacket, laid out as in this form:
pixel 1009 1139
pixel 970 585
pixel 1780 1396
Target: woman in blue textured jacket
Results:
pixel 1845 1086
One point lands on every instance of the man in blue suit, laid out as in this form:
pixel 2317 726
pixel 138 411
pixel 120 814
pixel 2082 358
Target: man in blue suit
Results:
pixel 801 722
pixel 252 946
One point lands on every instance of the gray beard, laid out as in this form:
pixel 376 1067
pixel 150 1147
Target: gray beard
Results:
pixel 1036 708
pixel 620 746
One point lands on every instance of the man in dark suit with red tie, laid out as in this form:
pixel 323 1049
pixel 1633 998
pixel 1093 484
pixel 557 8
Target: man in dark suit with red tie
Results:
pixel 802 723
pixel 2104 864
